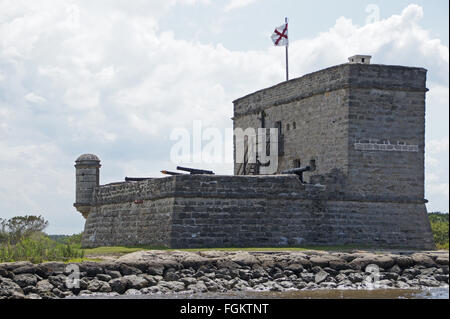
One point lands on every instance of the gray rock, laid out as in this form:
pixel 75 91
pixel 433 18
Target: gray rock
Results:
pixel 30 290
pixel 287 284
pixel 155 269
pixel 94 285
pixel 441 277
pixel 59 281
pixel 331 271
pixel 174 286
pixel 296 268
pixel 51 268
pixel 118 285
pixel 402 285
pixel 135 282
pixel 91 268
pixel 58 293
pixel 44 286
pixel 307 277
pixel 341 277
pixel 395 269
pixel 33 296
pixel 104 277
pixel 442 260
pixel 338 264
pixel 423 260
pixel 6 273
pixel 26 269
pixel 355 277
pixel 24 280
pixel 188 281
pixel 127 270
pixel 321 261
pixel 133 292
pixel 113 273
pixel 150 290
pixel 321 276
pixel 404 261
pixel 245 274
pixel 429 282
pixel 390 276
pixel 8 288
pixel 171 276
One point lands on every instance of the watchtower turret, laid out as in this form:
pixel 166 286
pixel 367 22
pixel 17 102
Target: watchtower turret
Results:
pixel 87 172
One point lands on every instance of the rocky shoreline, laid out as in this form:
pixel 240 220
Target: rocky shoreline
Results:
pixel 169 272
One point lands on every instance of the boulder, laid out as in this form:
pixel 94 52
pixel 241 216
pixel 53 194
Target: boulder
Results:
pixel 44 286
pixel 321 276
pixel 135 282
pixel 25 280
pixel 404 261
pixel 423 260
pixel 26 269
pixel 243 258
pixel 9 289
pixel 118 285
pixel 442 260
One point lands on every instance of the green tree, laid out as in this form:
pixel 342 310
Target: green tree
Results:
pixel 16 228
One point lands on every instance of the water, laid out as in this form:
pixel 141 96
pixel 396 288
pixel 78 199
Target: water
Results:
pixel 431 293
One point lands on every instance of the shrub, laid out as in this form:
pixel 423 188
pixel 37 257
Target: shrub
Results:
pixel 38 250
pixel 439 226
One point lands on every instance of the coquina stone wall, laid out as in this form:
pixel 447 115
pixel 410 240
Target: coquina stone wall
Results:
pixel 248 211
pixel 364 123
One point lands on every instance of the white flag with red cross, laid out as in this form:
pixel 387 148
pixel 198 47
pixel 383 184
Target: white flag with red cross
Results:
pixel 280 35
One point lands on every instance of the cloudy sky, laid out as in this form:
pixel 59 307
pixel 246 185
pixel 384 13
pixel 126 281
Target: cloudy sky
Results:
pixel 116 77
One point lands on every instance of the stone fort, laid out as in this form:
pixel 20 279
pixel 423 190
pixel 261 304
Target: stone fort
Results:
pixel 357 129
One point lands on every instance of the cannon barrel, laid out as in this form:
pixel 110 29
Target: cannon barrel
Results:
pixel 171 173
pixel 136 179
pixel 298 171
pixel 195 171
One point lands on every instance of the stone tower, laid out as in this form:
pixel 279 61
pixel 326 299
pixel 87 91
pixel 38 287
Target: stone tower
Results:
pixel 87 168
pixel 361 124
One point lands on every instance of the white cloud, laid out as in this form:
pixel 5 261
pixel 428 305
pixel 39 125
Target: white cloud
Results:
pixel 235 4
pixel 114 84
pixel 34 98
pixel 438 146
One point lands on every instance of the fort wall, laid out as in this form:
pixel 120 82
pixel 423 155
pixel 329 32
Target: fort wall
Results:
pixel 247 211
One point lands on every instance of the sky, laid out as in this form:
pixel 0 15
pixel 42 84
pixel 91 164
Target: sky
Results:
pixel 116 78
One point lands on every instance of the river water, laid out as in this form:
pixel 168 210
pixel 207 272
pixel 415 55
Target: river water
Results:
pixel 431 293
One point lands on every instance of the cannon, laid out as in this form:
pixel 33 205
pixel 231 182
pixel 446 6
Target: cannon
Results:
pixel 298 171
pixel 195 171
pixel 171 173
pixel 137 179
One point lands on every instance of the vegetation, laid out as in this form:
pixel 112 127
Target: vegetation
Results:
pixel 439 226
pixel 22 238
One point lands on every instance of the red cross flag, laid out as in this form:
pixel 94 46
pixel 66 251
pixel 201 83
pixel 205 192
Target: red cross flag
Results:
pixel 280 35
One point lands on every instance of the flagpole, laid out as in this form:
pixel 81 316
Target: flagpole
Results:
pixel 287 54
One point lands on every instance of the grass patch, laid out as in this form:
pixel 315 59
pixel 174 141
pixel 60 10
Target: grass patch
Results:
pixel 38 250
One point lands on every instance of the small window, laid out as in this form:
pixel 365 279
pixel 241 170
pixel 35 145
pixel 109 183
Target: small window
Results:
pixel 294 126
pixel 363 60
pixel 296 163
pixel 312 164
